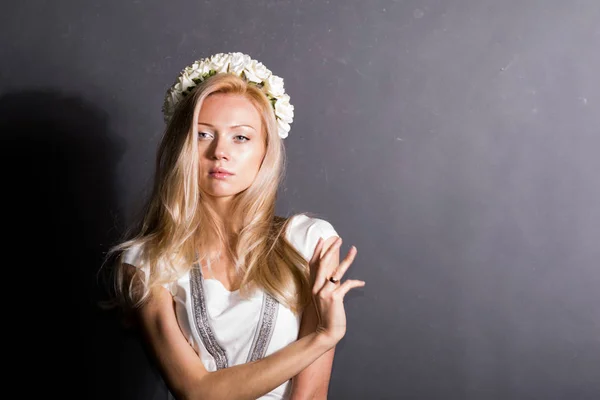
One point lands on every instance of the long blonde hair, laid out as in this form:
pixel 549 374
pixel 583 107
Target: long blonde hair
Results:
pixel 176 223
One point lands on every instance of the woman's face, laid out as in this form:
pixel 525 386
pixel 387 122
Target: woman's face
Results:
pixel 231 143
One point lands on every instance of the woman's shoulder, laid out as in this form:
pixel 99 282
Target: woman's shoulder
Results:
pixel 303 232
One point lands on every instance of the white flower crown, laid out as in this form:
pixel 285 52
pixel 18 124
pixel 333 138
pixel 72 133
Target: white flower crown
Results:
pixel 243 66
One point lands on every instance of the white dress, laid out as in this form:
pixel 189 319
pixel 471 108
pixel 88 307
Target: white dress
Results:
pixel 225 329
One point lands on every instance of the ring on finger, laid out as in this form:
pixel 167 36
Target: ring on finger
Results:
pixel 333 280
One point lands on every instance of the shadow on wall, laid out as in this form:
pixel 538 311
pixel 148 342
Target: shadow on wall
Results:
pixel 60 209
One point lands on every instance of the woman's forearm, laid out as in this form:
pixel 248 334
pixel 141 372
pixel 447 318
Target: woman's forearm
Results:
pixel 255 379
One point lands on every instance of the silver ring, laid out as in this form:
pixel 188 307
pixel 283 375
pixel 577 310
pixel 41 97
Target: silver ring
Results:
pixel 333 280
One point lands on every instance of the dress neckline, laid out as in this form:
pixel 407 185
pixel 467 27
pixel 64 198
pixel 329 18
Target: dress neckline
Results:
pixel 220 284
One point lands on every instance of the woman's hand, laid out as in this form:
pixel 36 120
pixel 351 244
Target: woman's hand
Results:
pixel 328 290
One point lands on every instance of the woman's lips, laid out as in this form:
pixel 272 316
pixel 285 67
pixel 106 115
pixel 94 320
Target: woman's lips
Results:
pixel 220 175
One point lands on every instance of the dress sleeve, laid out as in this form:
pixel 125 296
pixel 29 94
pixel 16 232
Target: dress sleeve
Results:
pixel 132 255
pixel 304 232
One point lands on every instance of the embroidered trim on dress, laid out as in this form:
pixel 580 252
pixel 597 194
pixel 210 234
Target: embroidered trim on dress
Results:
pixel 265 329
pixel 201 318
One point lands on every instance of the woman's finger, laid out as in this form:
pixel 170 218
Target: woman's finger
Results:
pixel 347 286
pixel 324 271
pixel 345 264
pixel 317 252
pixel 336 243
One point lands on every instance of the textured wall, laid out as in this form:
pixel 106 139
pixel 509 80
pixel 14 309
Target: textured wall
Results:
pixel 455 143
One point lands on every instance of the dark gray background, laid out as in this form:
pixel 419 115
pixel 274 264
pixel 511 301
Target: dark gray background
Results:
pixel 454 142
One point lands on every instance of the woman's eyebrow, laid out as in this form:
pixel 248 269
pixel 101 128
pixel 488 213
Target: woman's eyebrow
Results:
pixel 232 126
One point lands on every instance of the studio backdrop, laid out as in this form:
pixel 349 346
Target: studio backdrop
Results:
pixel 455 143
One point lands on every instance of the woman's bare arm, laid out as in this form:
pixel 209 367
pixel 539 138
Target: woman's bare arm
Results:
pixel 313 381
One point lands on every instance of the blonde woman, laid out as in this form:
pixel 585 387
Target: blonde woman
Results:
pixel 233 301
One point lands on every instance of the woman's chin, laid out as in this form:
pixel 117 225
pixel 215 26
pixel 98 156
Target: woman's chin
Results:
pixel 216 194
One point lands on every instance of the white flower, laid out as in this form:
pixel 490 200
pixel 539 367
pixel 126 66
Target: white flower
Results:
pixel 238 64
pixel 284 110
pixel 194 67
pixel 172 98
pixel 176 97
pixel 256 72
pixel 197 71
pixel 195 74
pixel 186 82
pixel 205 68
pixel 274 85
pixel 283 127
pixel 220 62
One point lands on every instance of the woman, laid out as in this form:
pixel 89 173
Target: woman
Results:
pixel 233 301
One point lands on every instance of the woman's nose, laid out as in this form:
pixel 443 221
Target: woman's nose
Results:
pixel 220 149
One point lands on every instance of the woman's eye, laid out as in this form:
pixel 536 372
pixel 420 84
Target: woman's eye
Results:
pixel 203 135
pixel 242 138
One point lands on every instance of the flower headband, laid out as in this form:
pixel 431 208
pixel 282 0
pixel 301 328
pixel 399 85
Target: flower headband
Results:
pixel 243 66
